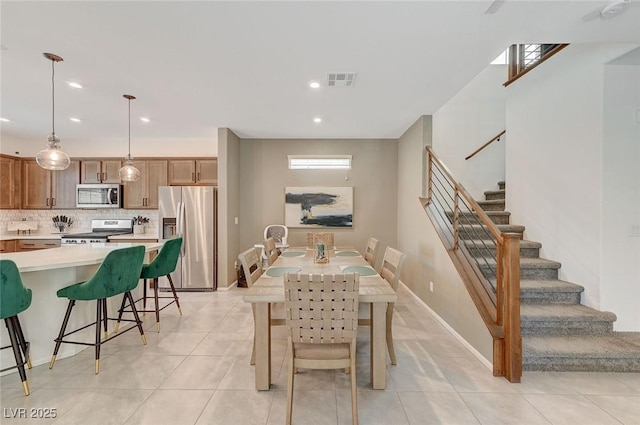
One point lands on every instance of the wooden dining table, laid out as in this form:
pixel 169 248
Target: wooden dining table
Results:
pixel 269 288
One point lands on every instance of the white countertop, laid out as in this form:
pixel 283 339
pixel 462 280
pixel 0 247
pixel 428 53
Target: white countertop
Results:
pixel 151 233
pixel 68 256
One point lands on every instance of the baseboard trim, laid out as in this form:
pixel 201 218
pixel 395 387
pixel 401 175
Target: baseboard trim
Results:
pixel 228 288
pixel 457 336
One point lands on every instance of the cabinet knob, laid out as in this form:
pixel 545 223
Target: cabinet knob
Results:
pixel 98 177
pixel 104 177
pixel 198 177
pixel 193 176
pixel 46 202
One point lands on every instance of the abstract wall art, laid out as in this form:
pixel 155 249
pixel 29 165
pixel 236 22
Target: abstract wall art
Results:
pixel 318 207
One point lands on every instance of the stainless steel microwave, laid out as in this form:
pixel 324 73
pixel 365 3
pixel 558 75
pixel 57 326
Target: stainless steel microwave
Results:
pixel 99 196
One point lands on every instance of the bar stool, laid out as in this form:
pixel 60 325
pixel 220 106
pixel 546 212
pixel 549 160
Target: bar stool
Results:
pixel 14 299
pixel 163 265
pixel 118 274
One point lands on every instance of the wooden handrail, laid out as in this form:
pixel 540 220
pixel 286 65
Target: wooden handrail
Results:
pixel 462 191
pixel 515 74
pixel 499 304
pixel 496 137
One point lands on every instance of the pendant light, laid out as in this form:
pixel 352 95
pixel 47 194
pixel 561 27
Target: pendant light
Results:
pixel 53 158
pixel 129 173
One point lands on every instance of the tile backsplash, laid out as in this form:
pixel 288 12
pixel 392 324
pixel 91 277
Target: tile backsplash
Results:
pixel 81 218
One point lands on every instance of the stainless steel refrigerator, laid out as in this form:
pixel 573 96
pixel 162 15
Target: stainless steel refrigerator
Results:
pixel 190 212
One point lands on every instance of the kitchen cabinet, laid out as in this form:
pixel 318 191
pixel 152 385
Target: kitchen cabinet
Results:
pixel 33 244
pixel 100 171
pixel 10 182
pixel 193 172
pixel 8 246
pixel 45 189
pixel 143 194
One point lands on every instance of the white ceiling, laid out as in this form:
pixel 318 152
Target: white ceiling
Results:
pixel 197 66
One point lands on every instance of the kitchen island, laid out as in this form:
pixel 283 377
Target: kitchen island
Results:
pixel 45 272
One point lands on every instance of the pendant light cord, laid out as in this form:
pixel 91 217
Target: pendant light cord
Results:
pixel 53 98
pixel 129 128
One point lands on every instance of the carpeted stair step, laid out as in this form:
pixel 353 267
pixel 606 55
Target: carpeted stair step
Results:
pixel 530 268
pixel 480 231
pixel 557 319
pixel 614 352
pixel 487 248
pixel 498 217
pixel 495 205
pixel 534 291
pixel 492 195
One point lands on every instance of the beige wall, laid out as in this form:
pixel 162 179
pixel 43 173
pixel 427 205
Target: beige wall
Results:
pixel 265 174
pixel 427 260
pixel 228 205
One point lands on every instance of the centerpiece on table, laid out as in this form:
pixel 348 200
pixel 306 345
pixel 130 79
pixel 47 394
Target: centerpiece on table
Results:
pixel 139 223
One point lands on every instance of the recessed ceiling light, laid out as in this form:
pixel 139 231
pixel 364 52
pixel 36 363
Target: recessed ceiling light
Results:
pixel 314 85
pixel 74 119
pixel 3 119
pixel 144 119
pixel 74 85
pixel 317 120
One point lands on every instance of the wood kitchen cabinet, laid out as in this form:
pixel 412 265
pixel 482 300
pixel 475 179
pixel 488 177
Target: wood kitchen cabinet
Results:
pixel 10 182
pixel 193 172
pixel 8 246
pixel 100 171
pixel 143 194
pixel 45 189
pixel 33 244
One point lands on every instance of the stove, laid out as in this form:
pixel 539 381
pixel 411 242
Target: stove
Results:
pixel 101 230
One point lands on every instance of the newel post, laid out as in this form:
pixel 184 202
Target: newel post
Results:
pixel 512 336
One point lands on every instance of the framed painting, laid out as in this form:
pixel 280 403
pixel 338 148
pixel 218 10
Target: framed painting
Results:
pixel 318 207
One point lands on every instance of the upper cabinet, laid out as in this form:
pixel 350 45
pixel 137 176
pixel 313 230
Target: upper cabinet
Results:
pixel 143 193
pixel 193 172
pixel 100 171
pixel 10 182
pixel 45 189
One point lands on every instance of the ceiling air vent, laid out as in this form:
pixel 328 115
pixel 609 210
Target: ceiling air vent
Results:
pixel 341 79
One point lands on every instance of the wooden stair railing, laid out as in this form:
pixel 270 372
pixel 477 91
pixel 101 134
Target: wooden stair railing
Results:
pixel 463 226
pixel 494 139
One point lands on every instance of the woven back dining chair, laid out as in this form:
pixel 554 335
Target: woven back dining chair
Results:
pixel 321 313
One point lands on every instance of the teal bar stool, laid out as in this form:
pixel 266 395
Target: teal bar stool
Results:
pixel 14 299
pixel 163 265
pixel 118 274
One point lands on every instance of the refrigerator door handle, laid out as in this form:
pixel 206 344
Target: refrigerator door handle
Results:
pixel 182 228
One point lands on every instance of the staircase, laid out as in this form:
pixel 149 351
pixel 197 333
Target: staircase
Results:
pixel 558 333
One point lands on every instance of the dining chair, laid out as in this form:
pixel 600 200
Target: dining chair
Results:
pixel 321 313
pixel 371 251
pixel 325 237
pixel 392 263
pixel 118 274
pixel 162 265
pixel 252 267
pixel 270 250
pixel 14 299
pixel 278 232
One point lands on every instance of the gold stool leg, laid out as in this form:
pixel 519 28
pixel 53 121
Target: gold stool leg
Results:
pixel 25 386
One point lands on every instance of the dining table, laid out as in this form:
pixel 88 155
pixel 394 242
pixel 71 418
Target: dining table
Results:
pixel 374 292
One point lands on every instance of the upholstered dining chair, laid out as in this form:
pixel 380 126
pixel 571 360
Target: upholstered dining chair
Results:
pixel 270 250
pixel 14 299
pixel 370 251
pixel 321 313
pixel 118 274
pixel 162 265
pixel 325 237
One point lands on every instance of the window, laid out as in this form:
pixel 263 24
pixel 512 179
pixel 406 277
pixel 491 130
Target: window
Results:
pixel 319 162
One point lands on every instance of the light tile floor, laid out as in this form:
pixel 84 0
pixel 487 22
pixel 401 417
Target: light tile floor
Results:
pixel 196 371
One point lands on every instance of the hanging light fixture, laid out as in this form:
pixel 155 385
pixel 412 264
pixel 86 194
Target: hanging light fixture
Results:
pixel 129 173
pixel 53 158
